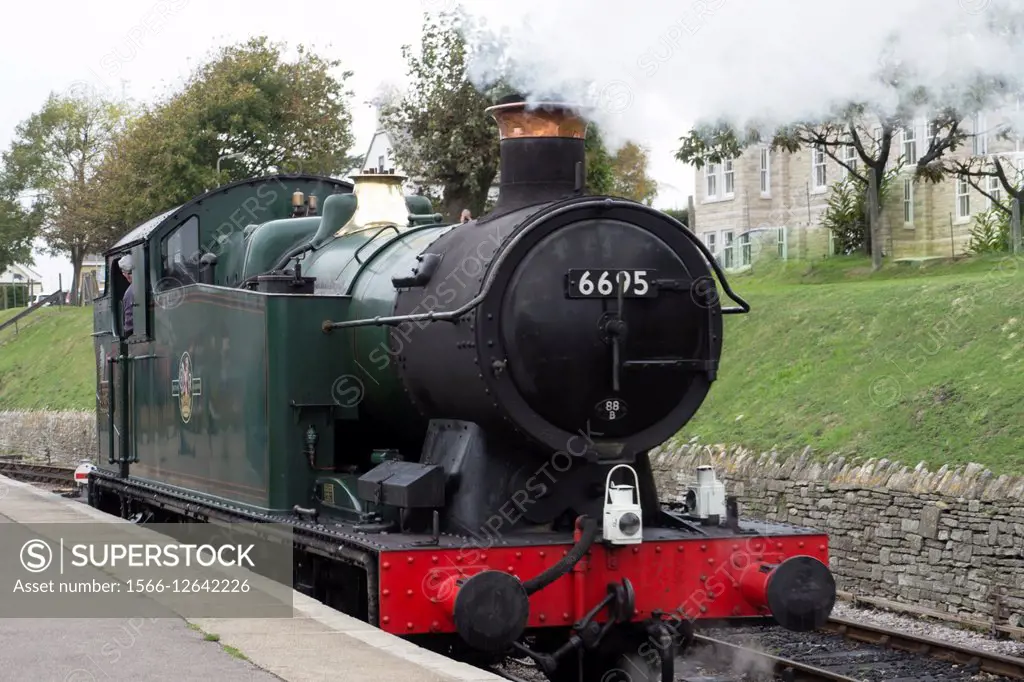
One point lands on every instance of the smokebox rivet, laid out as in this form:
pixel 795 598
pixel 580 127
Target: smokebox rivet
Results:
pixel 408 593
pixel 703 609
pixel 386 565
pixel 800 545
pixel 385 619
pixel 542 617
pixel 385 592
pixel 543 554
pixel 657 549
pixel 703 548
pixel 821 547
pixel 565 616
pixel 409 626
pixel 679 548
pixel 434 559
pixel 519 555
pixel 636 550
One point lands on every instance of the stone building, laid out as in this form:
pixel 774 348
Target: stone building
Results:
pixel 766 202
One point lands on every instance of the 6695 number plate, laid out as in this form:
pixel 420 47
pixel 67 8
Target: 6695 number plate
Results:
pixel 585 283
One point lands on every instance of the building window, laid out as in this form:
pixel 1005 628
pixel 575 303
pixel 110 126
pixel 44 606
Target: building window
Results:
pixel 980 135
pixel 781 237
pixel 380 163
pixel 727 249
pixel 818 167
pixel 745 249
pixel 995 191
pixel 909 145
pixel 908 201
pixel 766 172
pixel 963 199
pixel 709 241
pixel 850 159
pixel 730 178
pixel 711 172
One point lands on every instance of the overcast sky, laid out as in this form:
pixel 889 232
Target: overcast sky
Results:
pixel 146 47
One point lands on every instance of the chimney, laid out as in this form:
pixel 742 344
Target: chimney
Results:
pixel 542 154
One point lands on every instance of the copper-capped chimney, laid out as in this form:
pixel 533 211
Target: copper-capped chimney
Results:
pixel 542 152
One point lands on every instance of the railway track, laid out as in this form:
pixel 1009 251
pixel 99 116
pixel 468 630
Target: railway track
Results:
pixel 1009 667
pixel 842 651
pixel 38 473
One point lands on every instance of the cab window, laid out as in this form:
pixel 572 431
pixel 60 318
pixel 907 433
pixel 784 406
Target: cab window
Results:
pixel 179 253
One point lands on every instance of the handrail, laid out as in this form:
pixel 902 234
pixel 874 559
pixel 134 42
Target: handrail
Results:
pixel 32 308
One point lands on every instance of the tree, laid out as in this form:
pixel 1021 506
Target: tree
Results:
pixel 629 175
pixel 598 162
pixel 17 230
pixel 680 214
pixel 440 131
pixel 279 116
pixel 56 153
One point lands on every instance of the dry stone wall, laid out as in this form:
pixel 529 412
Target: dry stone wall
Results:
pixel 51 437
pixel 950 540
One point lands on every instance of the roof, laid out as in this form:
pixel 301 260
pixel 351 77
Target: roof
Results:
pixel 23 270
pixel 142 232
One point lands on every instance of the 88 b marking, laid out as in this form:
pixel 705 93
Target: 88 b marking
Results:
pixel 611 409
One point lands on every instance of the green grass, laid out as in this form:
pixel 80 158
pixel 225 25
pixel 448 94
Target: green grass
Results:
pixel 49 363
pixel 910 363
pixel 213 637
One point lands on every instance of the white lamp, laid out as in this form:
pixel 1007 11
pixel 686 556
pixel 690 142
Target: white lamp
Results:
pixel 622 513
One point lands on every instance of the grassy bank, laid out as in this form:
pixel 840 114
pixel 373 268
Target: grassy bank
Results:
pixel 48 363
pixel 911 363
pixel 914 363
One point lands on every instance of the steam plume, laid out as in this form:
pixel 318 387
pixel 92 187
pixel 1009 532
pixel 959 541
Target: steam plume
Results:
pixel 664 65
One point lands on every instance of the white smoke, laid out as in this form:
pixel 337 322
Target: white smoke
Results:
pixel 651 69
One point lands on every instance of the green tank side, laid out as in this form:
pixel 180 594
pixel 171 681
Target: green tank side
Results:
pixel 382 254
pixel 200 406
pixel 304 366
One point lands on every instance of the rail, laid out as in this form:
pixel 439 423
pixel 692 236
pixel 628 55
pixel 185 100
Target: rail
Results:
pixel 917 646
pixel 37 473
pixel 55 296
pixel 989 662
pixel 783 667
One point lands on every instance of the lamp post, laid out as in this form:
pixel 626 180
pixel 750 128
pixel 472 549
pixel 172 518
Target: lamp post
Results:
pixel 227 156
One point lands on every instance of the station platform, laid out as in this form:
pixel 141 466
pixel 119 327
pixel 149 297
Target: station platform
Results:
pixel 315 645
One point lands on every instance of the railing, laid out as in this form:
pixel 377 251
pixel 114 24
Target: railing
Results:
pixel 57 296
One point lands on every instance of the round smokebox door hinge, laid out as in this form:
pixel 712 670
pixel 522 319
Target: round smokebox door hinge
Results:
pixel 498 367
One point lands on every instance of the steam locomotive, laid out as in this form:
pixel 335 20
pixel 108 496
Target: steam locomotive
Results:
pixel 454 419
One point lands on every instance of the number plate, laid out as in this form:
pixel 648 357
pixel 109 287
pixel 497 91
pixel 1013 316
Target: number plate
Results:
pixel 580 283
pixel 611 409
